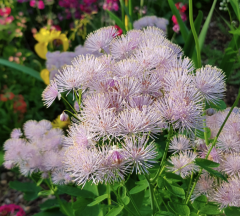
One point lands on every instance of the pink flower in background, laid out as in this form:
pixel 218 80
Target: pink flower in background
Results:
pixel 41 5
pixel 182 8
pixel 111 5
pixel 5 11
pixel 11 208
pixel 32 3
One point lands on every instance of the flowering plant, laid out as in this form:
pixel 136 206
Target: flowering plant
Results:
pixel 143 117
pixel 149 132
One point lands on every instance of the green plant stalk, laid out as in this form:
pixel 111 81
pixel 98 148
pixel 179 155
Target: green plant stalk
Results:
pixel 164 155
pixel 130 9
pixel 109 196
pixel 213 144
pixel 80 98
pixel 57 196
pixel 119 198
pixel 151 195
pixel 194 34
pixel 68 104
pixel 122 11
pixel 133 202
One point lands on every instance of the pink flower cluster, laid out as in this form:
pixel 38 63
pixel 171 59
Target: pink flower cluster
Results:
pixel 11 209
pixel 5 17
pixel 38 149
pixel 182 8
pixel 133 86
pixel 226 153
pixel 74 6
pixel 111 5
pixel 37 3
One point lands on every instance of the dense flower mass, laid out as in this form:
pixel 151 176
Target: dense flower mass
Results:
pixel 39 148
pixel 129 89
pixel 133 85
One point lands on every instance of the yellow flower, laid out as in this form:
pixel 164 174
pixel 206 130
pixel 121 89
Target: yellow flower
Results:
pixel 45 76
pixel 44 37
pixel 57 123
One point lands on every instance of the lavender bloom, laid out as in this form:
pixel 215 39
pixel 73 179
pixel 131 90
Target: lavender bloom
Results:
pixel 179 143
pixel 50 93
pixel 204 186
pixel 16 133
pixel 140 154
pixel 183 163
pixel 151 21
pixel 99 40
pixel 210 82
pixel 231 164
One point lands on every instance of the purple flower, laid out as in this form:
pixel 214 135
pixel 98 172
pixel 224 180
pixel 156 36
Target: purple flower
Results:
pixel 50 93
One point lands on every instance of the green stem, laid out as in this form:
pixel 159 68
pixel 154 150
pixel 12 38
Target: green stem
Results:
pixel 151 195
pixel 133 202
pixel 213 144
pixel 159 209
pixel 181 167
pixel 194 34
pixel 130 9
pixel 122 11
pixel 72 114
pixel 80 98
pixel 69 104
pixel 122 203
pixel 164 155
pixel 57 196
pixel 109 196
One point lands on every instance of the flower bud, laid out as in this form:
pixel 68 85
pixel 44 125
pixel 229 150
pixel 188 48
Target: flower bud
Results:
pixel 210 111
pixel 76 106
pixel 64 116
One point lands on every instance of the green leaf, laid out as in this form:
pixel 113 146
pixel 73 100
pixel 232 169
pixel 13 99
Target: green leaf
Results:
pixel 24 186
pixel 188 47
pixel 49 204
pixel 81 208
pixel 177 191
pixel 193 214
pixel 98 200
pixel 126 200
pixel 51 212
pixel 30 196
pixel 173 177
pixel 229 56
pixel 210 210
pixel 115 211
pixel 160 181
pixel 235 31
pixel 164 213
pixel 221 105
pixel 232 211
pixel 179 208
pixel 117 20
pixel 206 163
pixel 200 133
pixel 205 27
pixel 235 6
pixel 21 68
pixel 183 27
pixel 45 193
pixel 74 191
pixel 199 202
pixel 1 158
pixel 141 185
pixel 66 208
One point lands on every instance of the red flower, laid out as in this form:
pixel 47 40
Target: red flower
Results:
pixel 5 11
pixel 120 31
pixel 7 96
pixel 20 105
